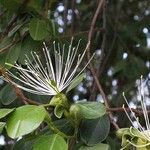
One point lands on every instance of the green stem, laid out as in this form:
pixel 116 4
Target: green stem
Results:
pixel 46 105
pixel 53 127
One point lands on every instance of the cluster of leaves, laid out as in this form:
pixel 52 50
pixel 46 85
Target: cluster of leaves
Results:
pixel 23 28
pixel 76 121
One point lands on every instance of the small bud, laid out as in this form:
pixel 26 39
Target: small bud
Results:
pixel 75 112
pixel 121 131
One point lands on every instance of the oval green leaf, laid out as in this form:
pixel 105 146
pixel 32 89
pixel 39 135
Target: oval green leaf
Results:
pixel 2 125
pixel 99 146
pixel 65 126
pixel 38 29
pixel 94 131
pixel 13 54
pixel 50 142
pixel 28 45
pixel 24 144
pixel 7 95
pixel 87 110
pixel 12 5
pixel 4 43
pixel 4 112
pixel 24 120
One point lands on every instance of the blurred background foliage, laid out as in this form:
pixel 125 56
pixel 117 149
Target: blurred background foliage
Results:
pixel 121 40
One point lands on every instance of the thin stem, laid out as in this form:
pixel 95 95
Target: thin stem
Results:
pixel 100 6
pixel 54 128
pixel 120 109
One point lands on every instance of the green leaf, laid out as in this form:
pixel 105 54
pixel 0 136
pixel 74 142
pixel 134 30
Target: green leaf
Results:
pixel 2 125
pixel 3 44
pixel 24 144
pixel 2 58
pixel 11 5
pixel 35 5
pixel 87 110
pixel 99 146
pixel 95 130
pixel 38 29
pixel 13 54
pixel 28 45
pixel 75 82
pixel 24 120
pixel 50 142
pixel 7 95
pixel 65 126
pixel 53 28
pixel 113 142
pixel 4 112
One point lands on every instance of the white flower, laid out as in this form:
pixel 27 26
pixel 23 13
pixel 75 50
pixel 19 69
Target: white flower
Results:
pixel 145 132
pixel 52 78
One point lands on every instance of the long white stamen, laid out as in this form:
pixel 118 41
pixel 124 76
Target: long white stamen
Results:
pixel 50 62
pixel 49 79
pixel 78 63
pixel 145 133
pixel 143 104
pixel 66 65
pixel 133 114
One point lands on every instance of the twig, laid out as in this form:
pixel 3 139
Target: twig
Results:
pixel 14 18
pixel 9 46
pixel 21 96
pixel 72 142
pixel 5 48
pixel 2 13
pixel 100 5
pixel 82 32
pixel 101 2
pixel 101 59
pixel 18 91
pixel 103 62
pixel 120 109
pixel 10 24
